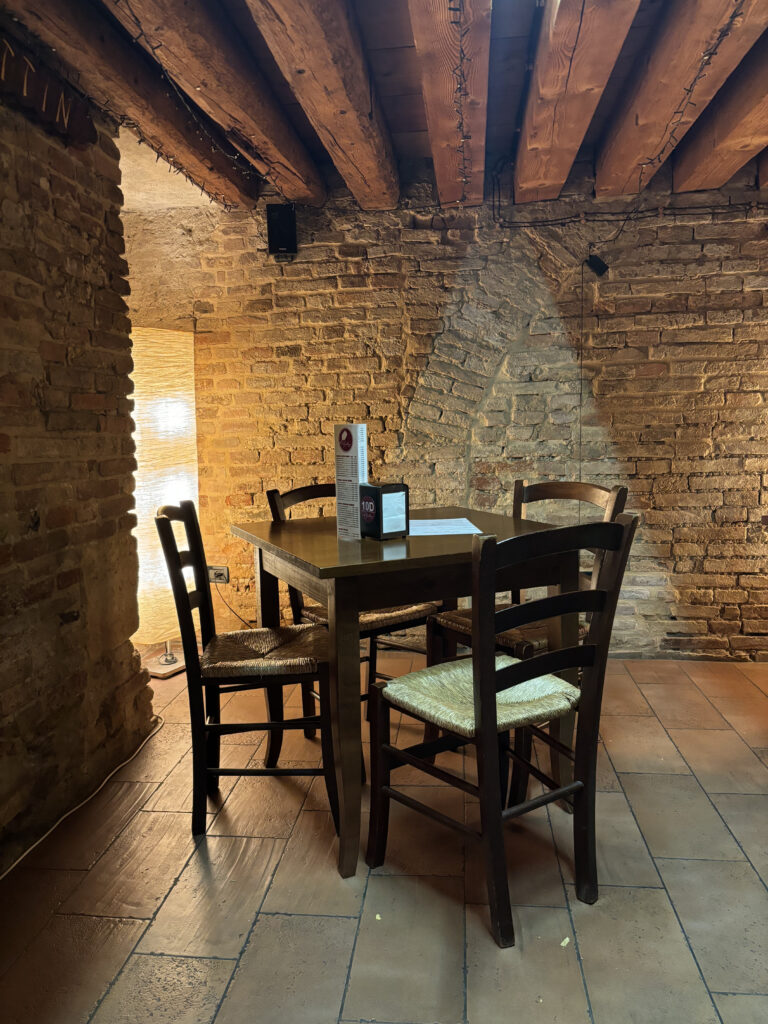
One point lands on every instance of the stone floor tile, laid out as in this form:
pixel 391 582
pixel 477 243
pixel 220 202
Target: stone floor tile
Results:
pixel 657 670
pixel 677 818
pixel 62 975
pixel 757 673
pixel 747 817
pixel 166 990
pixel 245 706
pixel 210 910
pixel 29 897
pixel 762 753
pixel 638 744
pixel 723 907
pixel 81 838
pixel 681 706
pixel 400 970
pixel 164 690
pixel 735 1009
pixel 416 845
pixel 175 794
pixel 621 696
pixel 636 960
pixel 718 678
pixel 134 875
pixel 606 776
pixel 748 715
pixel 295 966
pixel 262 806
pixel 721 761
pixel 622 856
pixel 158 756
pixel 539 976
pixel 533 870
pixel 307 880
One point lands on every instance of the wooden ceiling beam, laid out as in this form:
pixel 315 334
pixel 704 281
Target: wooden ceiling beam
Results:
pixel 453 42
pixel 698 44
pixel 731 130
pixel 211 66
pixel 318 49
pixel 577 49
pixel 120 79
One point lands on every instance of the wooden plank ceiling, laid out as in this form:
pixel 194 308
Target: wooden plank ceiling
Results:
pixel 299 96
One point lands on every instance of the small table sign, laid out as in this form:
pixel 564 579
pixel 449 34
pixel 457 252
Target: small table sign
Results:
pixel 350 447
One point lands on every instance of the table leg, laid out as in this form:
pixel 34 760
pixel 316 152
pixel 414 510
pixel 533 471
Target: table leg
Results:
pixel 564 632
pixel 268 614
pixel 344 629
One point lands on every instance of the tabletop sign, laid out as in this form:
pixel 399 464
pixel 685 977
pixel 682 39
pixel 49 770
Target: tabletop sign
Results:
pixel 384 510
pixel 28 85
pixel 351 452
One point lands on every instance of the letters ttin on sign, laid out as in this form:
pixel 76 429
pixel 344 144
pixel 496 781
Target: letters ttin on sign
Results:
pixel 27 84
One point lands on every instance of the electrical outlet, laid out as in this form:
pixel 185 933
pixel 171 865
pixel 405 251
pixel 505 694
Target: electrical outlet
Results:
pixel 218 573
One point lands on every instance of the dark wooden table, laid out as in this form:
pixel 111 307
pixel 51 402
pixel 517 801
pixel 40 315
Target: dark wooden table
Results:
pixel 355 576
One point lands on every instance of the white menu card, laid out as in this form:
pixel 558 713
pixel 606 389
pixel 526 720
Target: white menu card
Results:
pixel 351 450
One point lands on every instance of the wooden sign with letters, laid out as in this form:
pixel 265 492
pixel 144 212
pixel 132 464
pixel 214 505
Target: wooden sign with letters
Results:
pixel 28 85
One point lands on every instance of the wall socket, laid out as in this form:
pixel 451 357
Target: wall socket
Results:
pixel 218 574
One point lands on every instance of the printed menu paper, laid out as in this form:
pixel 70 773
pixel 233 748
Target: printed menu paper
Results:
pixel 441 527
pixel 351 450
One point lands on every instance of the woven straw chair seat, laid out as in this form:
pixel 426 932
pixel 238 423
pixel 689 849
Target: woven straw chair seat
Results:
pixel 279 651
pixel 381 618
pixel 523 642
pixel 443 694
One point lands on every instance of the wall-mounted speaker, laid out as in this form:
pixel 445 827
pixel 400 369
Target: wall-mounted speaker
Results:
pixel 281 230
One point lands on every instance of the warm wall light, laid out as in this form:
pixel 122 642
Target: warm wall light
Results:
pixel 166 453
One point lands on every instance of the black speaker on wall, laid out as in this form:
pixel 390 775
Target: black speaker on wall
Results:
pixel 281 230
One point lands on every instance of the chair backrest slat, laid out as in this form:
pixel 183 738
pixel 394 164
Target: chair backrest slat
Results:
pixel 610 499
pixel 548 608
pixel 186 599
pixel 578 656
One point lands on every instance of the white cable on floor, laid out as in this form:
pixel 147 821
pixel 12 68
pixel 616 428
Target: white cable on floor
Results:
pixel 155 731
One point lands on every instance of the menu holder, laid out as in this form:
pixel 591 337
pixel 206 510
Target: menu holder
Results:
pixel 351 456
pixel 384 510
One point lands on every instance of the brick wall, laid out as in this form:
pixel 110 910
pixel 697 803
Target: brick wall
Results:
pixel 457 341
pixel 73 699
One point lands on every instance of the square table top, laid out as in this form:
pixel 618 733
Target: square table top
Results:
pixel 312 543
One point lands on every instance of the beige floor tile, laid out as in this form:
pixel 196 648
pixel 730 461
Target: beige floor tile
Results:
pixel 723 907
pixel 638 744
pixel 166 990
pixel 656 670
pixel 756 673
pixel 262 806
pixel 743 1009
pixel 176 711
pixel 416 845
pixel 400 972
pixel 682 706
pixel 67 969
pixel 606 777
pixel 533 870
pixel 762 753
pixel 158 756
pixel 622 856
pixel 718 678
pixel 721 761
pixel 165 690
pixel 747 817
pixel 245 706
pixel 748 715
pixel 295 966
pixel 307 880
pixel 215 901
pixel 621 696
pixel 81 838
pixel 677 818
pixel 136 872
pixel 175 794
pixel 539 977
pixel 29 898
pixel 636 960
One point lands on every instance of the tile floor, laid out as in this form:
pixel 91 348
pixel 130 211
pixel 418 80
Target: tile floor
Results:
pixel 120 917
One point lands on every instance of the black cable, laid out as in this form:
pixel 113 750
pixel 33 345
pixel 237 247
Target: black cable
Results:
pixel 245 623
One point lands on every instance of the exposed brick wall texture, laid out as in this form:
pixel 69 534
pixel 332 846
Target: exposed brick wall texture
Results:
pixel 457 341
pixel 73 699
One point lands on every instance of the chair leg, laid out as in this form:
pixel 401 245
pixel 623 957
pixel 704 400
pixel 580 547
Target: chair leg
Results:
pixel 523 745
pixel 584 848
pixel 379 820
pixel 435 655
pixel 308 708
pixel 493 849
pixel 275 714
pixel 212 740
pixel 503 742
pixel 326 741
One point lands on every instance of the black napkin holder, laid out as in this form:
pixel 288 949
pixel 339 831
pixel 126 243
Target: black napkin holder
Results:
pixel 384 511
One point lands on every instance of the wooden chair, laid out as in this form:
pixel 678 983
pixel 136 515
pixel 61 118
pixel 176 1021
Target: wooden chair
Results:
pixel 480 700
pixel 449 628
pixel 250 659
pixel 373 625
